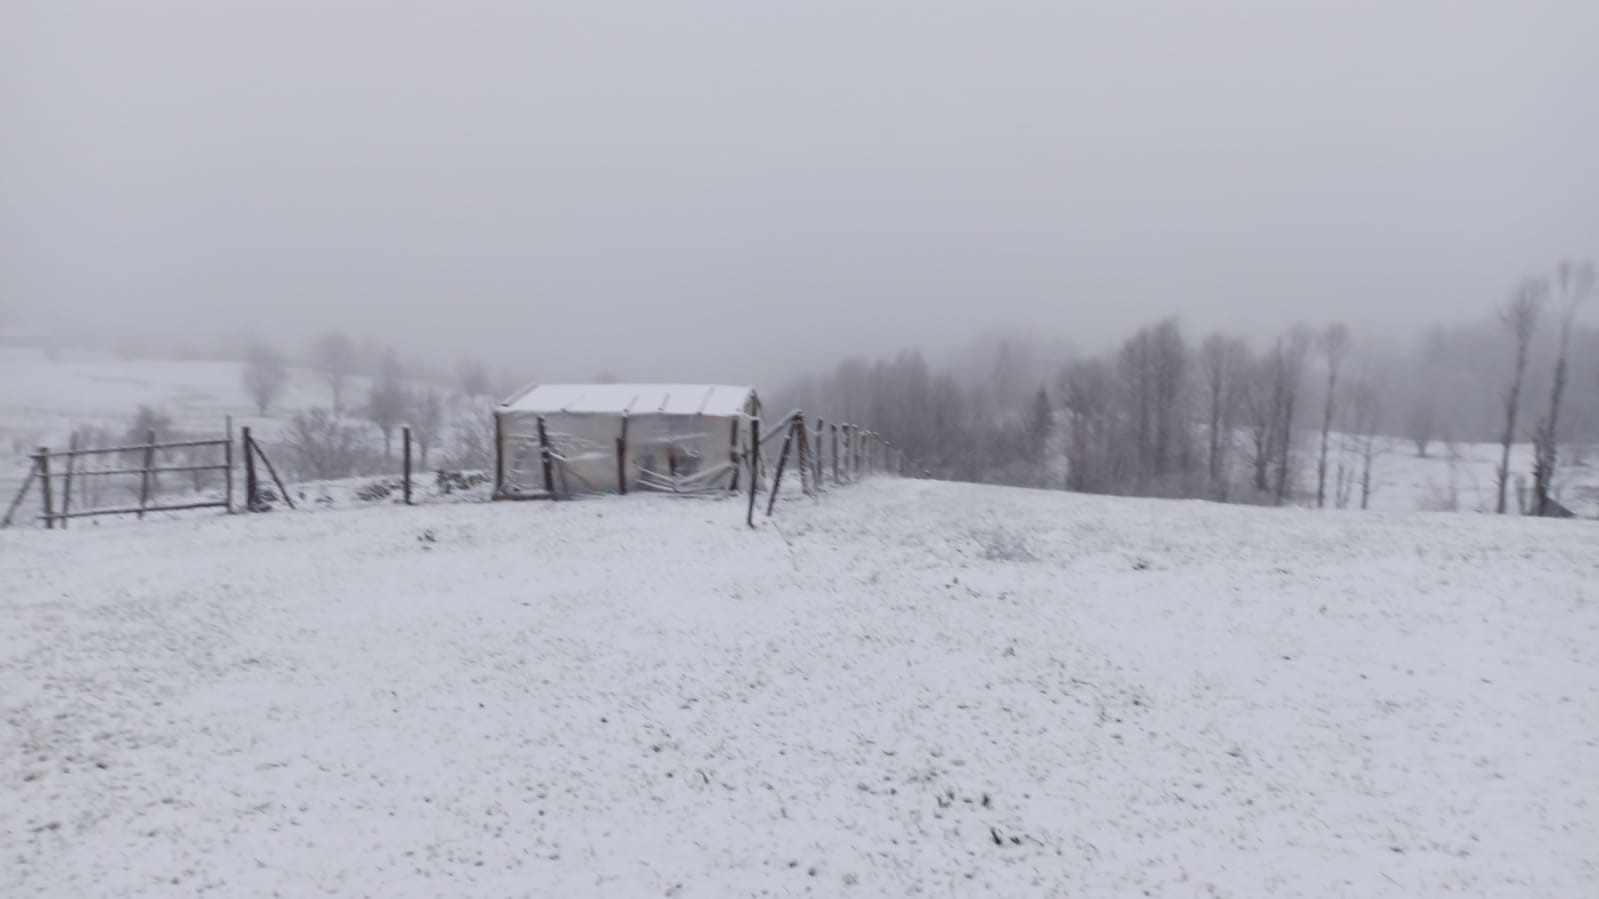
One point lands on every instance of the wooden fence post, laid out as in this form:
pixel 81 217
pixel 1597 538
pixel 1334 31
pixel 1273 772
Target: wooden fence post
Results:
pixel 66 483
pixel 732 458
pixel 817 475
pixel 499 455
pixel 544 456
pixel 835 453
pixel 227 459
pixel 252 485
pixel 755 466
pixel 621 458
pixel 149 463
pixel 803 460
pixel 44 478
pixel 405 455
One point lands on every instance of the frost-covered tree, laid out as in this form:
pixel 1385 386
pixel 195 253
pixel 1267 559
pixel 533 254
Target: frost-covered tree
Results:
pixel 323 447
pixel 1574 282
pixel 426 419
pixel 334 357
pixel 1224 365
pixel 265 375
pixel 1520 317
pixel 389 401
pixel 1334 346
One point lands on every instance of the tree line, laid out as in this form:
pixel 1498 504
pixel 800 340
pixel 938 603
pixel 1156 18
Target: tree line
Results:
pixel 1302 418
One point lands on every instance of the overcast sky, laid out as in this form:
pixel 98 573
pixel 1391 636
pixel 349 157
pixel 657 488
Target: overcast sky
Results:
pixel 729 191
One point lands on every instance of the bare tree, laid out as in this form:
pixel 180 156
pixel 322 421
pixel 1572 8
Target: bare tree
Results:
pixel 1287 376
pixel 388 401
pixel 323 447
pixel 1088 387
pixel 334 357
pixel 1365 406
pixel 1574 281
pixel 426 420
pixel 265 375
pixel 1223 362
pixel 1334 345
pixel 1421 424
pixel 1520 317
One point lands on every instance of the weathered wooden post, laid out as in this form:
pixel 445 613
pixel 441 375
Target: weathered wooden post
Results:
pixel 149 463
pixel 544 457
pixel 849 452
pixel 499 454
pixel 44 480
pixel 732 458
pixel 252 485
pixel 803 460
pixel 835 453
pixel 405 456
pixel 227 459
pixel 755 463
pixel 621 458
pixel 816 460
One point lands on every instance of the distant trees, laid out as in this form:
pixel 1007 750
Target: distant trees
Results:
pixel 1334 345
pixel 324 447
pixel 1520 317
pixel 334 357
pixel 1574 282
pixel 1224 363
pixel 265 375
pixel 427 418
pixel 1288 373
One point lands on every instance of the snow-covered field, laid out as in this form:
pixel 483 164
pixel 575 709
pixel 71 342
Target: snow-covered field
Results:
pixel 910 688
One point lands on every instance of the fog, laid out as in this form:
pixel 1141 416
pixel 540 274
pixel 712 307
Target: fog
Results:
pixel 741 192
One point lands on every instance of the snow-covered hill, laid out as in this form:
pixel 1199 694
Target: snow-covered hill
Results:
pixel 910 688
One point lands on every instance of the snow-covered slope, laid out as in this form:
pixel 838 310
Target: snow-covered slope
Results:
pixel 911 688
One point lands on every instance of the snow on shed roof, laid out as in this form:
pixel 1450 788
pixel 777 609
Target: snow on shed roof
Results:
pixel 634 399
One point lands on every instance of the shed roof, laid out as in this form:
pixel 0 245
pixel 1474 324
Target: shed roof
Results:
pixel 634 399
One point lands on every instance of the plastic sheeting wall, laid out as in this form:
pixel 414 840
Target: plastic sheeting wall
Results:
pixel 676 453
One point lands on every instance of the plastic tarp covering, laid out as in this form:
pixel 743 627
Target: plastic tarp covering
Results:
pixel 680 450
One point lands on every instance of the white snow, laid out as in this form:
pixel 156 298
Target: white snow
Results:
pixel 636 696
pixel 715 400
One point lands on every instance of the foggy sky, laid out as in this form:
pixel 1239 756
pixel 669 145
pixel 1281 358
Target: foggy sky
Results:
pixel 734 191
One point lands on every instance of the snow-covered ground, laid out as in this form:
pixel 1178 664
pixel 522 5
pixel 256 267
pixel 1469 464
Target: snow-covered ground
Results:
pixel 910 688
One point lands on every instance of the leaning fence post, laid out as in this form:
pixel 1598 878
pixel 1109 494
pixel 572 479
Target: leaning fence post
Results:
pixel 405 456
pixel 144 477
pixel 782 459
pixel 17 500
pixel 44 480
pixel 544 456
pixel 755 466
pixel 282 490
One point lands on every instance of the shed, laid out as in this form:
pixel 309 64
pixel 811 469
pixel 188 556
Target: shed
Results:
pixel 611 438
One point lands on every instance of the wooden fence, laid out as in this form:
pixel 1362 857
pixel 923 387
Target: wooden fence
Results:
pixel 57 471
pixel 856 452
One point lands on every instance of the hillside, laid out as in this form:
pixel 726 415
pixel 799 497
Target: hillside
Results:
pixel 908 688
